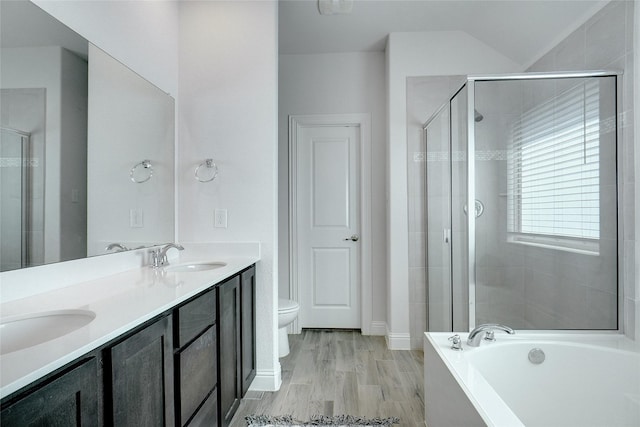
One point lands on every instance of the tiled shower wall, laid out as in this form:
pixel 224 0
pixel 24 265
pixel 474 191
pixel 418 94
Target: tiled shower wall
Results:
pixel 605 41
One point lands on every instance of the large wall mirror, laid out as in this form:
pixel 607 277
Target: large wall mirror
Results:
pixel 86 147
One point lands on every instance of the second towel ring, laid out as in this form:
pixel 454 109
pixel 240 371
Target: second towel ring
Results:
pixel 135 170
pixel 206 171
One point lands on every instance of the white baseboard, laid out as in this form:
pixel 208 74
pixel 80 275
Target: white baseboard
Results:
pixel 378 328
pixel 398 341
pixel 267 380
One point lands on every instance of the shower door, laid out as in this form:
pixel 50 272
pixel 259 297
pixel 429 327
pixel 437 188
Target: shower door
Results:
pixel 446 176
pixel 546 247
pixel 14 206
pixel 438 185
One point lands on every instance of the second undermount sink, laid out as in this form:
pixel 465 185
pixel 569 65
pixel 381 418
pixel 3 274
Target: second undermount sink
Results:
pixel 196 266
pixel 24 331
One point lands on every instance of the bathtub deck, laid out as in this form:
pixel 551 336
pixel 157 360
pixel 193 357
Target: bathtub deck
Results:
pixel 343 372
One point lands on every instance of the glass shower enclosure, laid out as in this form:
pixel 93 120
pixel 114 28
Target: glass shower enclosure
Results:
pixel 534 157
pixel 15 184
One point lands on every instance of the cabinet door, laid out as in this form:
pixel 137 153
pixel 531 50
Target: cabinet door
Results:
pixel 142 378
pixel 69 400
pixel 229 348
pixel 248 294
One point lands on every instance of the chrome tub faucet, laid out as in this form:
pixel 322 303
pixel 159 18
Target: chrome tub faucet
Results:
pixel 473 340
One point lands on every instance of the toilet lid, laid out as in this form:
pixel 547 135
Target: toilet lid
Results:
pixel 286 304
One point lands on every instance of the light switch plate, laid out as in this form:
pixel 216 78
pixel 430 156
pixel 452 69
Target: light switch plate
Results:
pixel 136 218
pixel 220 218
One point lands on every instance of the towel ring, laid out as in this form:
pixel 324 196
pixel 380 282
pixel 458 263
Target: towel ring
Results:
pixel 144 165
pixel 206 171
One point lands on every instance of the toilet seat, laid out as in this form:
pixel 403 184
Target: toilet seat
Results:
pixel 287 305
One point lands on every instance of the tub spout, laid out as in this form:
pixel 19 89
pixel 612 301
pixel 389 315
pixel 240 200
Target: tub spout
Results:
pixel 476 334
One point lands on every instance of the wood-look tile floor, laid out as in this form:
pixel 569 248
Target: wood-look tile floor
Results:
pixel 334 372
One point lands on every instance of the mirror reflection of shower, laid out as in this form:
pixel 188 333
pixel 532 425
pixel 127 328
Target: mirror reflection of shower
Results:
pixel 15 185
pixel 22 168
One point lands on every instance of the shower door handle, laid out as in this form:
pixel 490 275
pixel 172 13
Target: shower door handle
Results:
pixel 446 235
pixel 479 208
pixel 353 238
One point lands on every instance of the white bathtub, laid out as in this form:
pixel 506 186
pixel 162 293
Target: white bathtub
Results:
pixel 585 380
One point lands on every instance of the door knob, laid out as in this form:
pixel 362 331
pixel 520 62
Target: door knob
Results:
pixel 353 238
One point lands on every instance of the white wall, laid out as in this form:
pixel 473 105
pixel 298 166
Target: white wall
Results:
pixel 335 84
pixel 418 54
pixel 228 112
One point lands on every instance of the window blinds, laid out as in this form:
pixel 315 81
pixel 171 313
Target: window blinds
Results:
pixel 553 167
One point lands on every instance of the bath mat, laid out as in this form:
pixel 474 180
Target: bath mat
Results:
pixel 318 420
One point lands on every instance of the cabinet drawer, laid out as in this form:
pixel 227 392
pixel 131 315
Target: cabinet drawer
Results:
pixel 195 316
pixel 198 373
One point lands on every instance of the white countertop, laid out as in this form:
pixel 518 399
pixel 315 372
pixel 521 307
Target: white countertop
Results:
pixel 120 301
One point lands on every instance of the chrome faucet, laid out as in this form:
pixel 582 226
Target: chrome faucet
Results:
pixel 159 255
pixel 117 246
pixel 476 334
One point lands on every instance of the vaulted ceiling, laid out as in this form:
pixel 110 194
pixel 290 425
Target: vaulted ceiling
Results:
pixel 522 30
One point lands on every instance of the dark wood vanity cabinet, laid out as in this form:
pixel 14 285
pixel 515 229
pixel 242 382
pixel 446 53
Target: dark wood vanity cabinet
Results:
pixel 230 348
pixel 66 399
pixel 190 366
pixel 139 389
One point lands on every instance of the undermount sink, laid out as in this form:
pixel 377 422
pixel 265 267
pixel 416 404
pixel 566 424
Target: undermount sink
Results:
pixel 197 266
pixel 24 331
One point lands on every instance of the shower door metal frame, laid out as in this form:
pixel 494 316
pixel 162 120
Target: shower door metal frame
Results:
pixel 469 86
pixel 471 188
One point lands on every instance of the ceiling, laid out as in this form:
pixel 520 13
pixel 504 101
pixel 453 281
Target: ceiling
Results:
pixel 522 30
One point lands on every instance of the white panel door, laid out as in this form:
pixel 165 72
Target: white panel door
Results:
pixel 327 193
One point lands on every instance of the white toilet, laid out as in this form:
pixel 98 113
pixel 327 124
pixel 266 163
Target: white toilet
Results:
pixel 287 313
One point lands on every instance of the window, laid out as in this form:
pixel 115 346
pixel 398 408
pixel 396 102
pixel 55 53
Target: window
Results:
pixel 553 189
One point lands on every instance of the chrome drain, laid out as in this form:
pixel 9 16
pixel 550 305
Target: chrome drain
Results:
pixel 536 356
